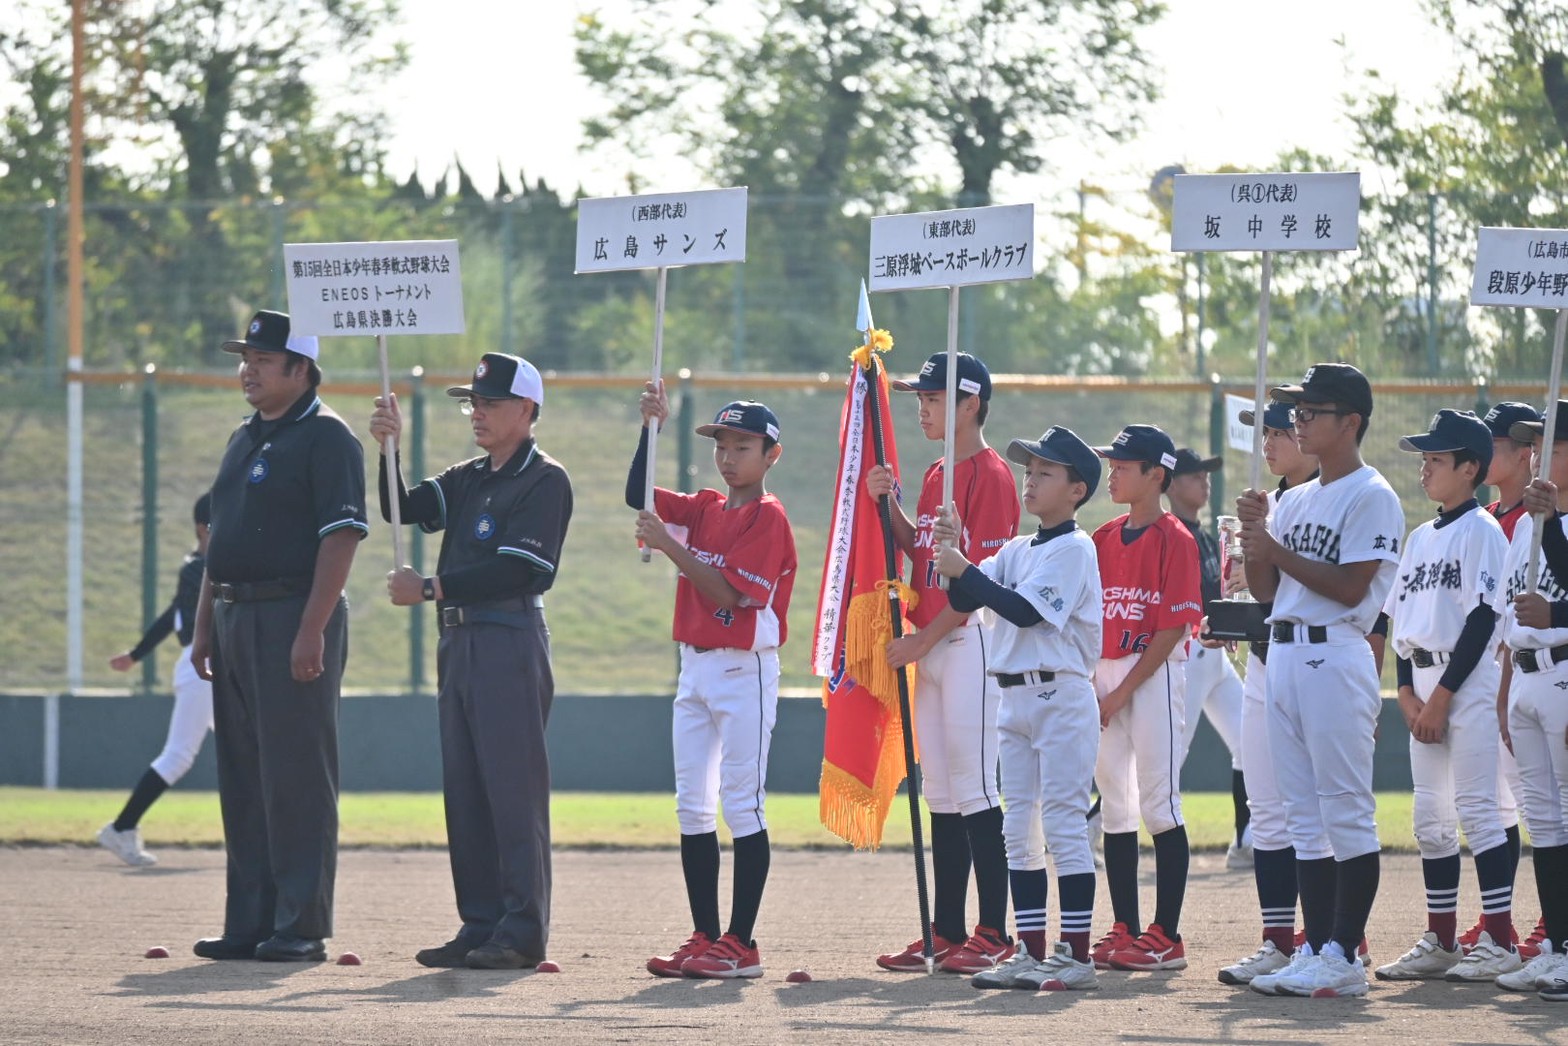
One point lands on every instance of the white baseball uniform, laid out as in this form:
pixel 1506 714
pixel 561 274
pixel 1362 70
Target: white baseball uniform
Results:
pixel 1323 689
pixel 1448 567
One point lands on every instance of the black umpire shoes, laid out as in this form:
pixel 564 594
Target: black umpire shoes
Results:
pixel 284 948
pixel 493 956
pixel 453 955
pixel 225 948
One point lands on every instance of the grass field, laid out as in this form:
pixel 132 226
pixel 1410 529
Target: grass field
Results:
pixel 32 816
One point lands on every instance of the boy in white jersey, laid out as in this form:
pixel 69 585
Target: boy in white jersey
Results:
pixel 1326 559
pixel 1042 593
pixel 1444 607
pixel 1535 630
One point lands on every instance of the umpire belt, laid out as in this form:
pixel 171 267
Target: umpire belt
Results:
pixel 1540 660
pixel 520 614
pixel 258 591
pixel 1428 658
pixel 1012 679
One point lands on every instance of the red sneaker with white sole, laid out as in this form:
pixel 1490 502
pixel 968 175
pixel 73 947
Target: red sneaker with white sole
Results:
pixel 1150 950
pixel 670 965
pixel 1530 947
pixel 728 957
pixel 984 949
pixel 1118 937
pixel 912 959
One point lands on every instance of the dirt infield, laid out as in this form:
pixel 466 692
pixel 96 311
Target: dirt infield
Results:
pixel 77 924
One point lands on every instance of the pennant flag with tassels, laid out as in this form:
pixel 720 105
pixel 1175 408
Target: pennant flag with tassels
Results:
pixel 863 756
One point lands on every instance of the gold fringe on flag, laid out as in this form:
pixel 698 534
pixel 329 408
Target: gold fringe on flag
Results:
pixel 853 812
pixel 867 632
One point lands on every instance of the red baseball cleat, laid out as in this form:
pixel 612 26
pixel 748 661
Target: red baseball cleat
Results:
pixel 670 965
pixel 1118 937
pixel 912 959
pixel 1150 950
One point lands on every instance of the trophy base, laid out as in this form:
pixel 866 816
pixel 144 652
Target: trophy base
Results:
pixel 1238 619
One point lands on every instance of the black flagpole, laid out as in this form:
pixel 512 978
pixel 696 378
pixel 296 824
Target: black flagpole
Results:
pixel 896 610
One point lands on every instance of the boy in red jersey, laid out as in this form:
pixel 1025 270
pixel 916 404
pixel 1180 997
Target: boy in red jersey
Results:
pixel 736 555
pixel 1149 572
pixel 956 699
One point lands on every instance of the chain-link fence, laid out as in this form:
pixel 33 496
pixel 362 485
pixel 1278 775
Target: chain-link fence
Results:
pixel 609 614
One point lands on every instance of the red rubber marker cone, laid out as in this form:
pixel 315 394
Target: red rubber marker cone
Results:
pixel 157 951
pixel 798 977
pixel 349 959
pixel 549 966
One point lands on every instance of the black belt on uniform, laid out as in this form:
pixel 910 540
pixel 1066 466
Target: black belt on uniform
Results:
pixel 1529 660
pixel 1011 679
pixel 514 613
pixel 258 591
pixel 1285 632
pixel 1427 658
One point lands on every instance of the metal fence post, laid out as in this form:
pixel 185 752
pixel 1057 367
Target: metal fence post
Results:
pixel 416 547
pixel 149 515
pixel 51 308
pixel 1482 493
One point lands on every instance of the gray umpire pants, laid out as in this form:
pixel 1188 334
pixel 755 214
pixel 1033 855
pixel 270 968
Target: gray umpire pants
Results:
pixel 495 693
pixel 277 746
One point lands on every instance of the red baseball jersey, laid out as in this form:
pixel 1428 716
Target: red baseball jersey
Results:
pixel 1148 585
pixel 986 495
pixel 754 547
pixel 1509 519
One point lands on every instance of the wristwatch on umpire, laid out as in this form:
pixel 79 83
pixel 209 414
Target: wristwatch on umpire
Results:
pixel 429 588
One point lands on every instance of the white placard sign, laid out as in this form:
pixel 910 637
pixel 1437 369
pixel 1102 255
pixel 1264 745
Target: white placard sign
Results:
pixel 395 287
pixel 1237 435
pixel 1526 267
pixel 1266 212
pixel 952 248
pixel 661 230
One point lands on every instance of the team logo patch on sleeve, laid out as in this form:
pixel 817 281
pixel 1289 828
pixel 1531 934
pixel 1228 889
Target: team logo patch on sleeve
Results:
pixel 258 470
pixel 484 527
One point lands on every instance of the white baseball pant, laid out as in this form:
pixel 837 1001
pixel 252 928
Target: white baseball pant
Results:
pixel 1140 755
pixel 726 702
pixel 1214 688
pixel 1456 779
pixel 955 723
pixel 1048 736
pixel 189 722
pixel 1538 725
pixel 1323 702
pixel 1268 826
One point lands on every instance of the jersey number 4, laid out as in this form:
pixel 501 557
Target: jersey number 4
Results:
pixel 725 616
pixel 1134 643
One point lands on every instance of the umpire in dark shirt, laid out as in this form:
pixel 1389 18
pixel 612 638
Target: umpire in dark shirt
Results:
pixel 504 517
pixel 288 512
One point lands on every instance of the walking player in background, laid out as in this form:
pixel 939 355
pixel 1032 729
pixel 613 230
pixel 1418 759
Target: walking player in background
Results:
pixel 956 695
pixel 736 556
pixel 503 518
pixel 1149 578
pixel 191 718
pixel 1444 606
pixel 288 513
pixel 1212 685
pixel 1327 560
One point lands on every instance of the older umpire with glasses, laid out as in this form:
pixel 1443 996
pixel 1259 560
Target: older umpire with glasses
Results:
pixel 504 517
pixel 288 513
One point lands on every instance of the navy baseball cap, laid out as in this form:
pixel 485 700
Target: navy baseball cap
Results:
pixel 1331 383
pixel 1062 446
pixel 1453 430
pixel 1188 462
pixel 973 378
pixel 747 416
pixel 1503 416
pixel 1530 431
pixel 500 376
pixel 269 332
pixel 1147 443
pixel 1276 415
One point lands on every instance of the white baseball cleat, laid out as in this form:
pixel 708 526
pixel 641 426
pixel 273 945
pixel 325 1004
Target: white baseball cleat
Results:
pixel 1536 973
pixel 1238 856
pixel 1428 960
pixel 1007 973
pixel 1485 961
pixel 1332 976
pixel 1268 983
pixel 126 845
pixel 1061 972
pixel 1267 959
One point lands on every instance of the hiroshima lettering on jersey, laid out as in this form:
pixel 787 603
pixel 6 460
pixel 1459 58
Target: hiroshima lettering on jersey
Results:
pixel 986 498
